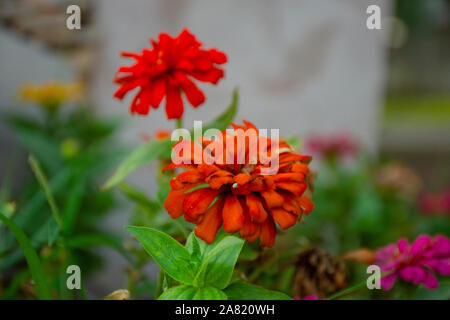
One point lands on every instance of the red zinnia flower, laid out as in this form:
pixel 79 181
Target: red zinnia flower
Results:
pixel 166 70
pixel 239 196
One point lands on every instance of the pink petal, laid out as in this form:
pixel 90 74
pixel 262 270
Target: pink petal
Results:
pixel 430 281
pixel 420 244
pixel 415 275
pixel 311 298
pixel 385 253
pixel 388 281
pixel 402 245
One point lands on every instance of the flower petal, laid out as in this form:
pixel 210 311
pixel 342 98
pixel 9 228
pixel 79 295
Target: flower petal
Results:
pixel 194 95
pixel 273 199
pixel 430 281
pixel 413 274
pixel 388 281
pixel 174 202
pixel 268 233
pixel 212 220
pixel 250 230
pixel 233 217
pixel 283 218
pixel 306 204
pixel 156 90
pixel 197 202
pixel 174 103
pixel 255 208
pixel 296 188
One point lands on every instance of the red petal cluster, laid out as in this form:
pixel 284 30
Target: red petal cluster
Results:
pixel 238 196
pixel 166 70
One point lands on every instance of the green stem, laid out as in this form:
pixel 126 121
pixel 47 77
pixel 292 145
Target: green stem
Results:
pixel 40 176
pixel 353 288
pixel 348 290
pixel 179 123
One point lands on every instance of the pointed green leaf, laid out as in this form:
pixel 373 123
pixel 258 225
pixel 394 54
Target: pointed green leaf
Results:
pixel 183 292
pixel 168 253
pixel 186 292
pixel 209 293
pixel 72 207
pixel 42 179
pixel 223 121
pixel 218 263
pixel 247 291
pixel 194 247
pixel 34 264
pixel 140 156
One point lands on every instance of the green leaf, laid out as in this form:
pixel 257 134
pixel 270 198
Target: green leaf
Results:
pixel 140 156
pixel 209 293
pixel 247 291
pixel 218 264
pixel 183 292
pixel 34 264
pixel 73 205
pixel 40 176
pixel 31 208
pixel 47 233
pixel 168 253
pixel 186 292
pixel 223 121
pixel 194 248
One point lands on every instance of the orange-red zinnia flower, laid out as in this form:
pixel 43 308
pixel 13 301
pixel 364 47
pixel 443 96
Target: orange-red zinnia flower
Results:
pixel 166 70
pixel 238 196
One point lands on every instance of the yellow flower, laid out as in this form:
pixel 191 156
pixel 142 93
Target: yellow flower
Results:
pixel 51 94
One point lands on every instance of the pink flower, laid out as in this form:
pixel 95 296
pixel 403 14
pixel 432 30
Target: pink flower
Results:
pixel 311 298
pixel 436 203
pixel 417 263
pixel 339 144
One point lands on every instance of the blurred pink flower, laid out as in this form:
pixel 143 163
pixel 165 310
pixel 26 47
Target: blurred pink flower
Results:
pixel 339 144
pixel 416 263
pixel 435 203
pixel 311 298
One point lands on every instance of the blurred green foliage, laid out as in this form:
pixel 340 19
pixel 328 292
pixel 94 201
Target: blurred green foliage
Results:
pixel 73 149
pixel 352 210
